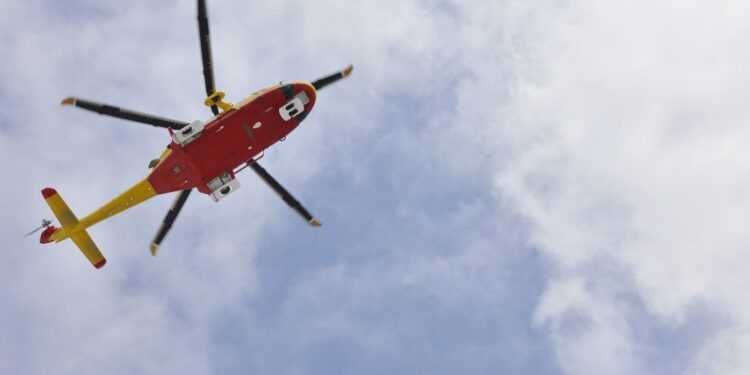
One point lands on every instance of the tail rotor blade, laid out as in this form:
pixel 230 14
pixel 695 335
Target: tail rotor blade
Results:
pixel 33 231
pixel 205 39
pixel 169 220
pixel 325 81
pixel 285 195
pixel 45 223
pixel 122 113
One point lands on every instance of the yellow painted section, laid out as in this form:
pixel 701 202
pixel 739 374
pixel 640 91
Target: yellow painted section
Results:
pixel 63 214
pixel 69 223
pixel 154 249
pixel 217 99
pixel 315 223
pixel 347 70
pixel 164 154
pixel 139 193
pixel 155 163
pixel 253 96
pixel 88 248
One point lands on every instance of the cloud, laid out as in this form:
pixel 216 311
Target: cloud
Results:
pixel 511 186
pixel 595 322
pixel 628 151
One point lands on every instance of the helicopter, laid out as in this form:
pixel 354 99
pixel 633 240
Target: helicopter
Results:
pixel 202 155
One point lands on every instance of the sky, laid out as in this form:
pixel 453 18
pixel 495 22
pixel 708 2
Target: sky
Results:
pixel 527 187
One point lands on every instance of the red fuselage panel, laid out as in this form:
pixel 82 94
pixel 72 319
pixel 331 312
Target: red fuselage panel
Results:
pixel 230 139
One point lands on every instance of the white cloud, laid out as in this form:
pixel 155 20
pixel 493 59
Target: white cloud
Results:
pixel 614 130
pixel 725 353
pixel 630 150
pixel 594 322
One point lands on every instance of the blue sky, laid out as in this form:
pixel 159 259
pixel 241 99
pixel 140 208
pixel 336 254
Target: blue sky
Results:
pixel 527 187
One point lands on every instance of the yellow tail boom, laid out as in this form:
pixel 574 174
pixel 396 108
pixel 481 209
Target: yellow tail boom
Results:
pixel 76 229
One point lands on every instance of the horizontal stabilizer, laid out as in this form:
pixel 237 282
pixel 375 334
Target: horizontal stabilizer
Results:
pixel 69 222
pixel 58 206
pixel 89 249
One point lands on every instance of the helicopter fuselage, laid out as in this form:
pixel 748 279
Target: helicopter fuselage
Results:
pixel 206 159
pixel 232 138
pixel 201 155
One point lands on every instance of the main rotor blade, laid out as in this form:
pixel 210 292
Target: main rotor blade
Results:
pixel 325 81
pixel 288 198
pixel 205 38
pixel 122 113
pixel 169 220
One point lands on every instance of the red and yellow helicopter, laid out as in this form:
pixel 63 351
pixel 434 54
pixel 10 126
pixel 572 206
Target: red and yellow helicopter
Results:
pixel 202 155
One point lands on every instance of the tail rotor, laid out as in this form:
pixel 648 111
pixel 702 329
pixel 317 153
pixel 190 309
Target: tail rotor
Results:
pixel 46 223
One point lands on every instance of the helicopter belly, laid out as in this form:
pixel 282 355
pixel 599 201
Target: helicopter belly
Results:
pixel 175 172
pixel 234 138
pixel 245 132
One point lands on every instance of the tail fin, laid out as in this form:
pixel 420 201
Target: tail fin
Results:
pixel 69 222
